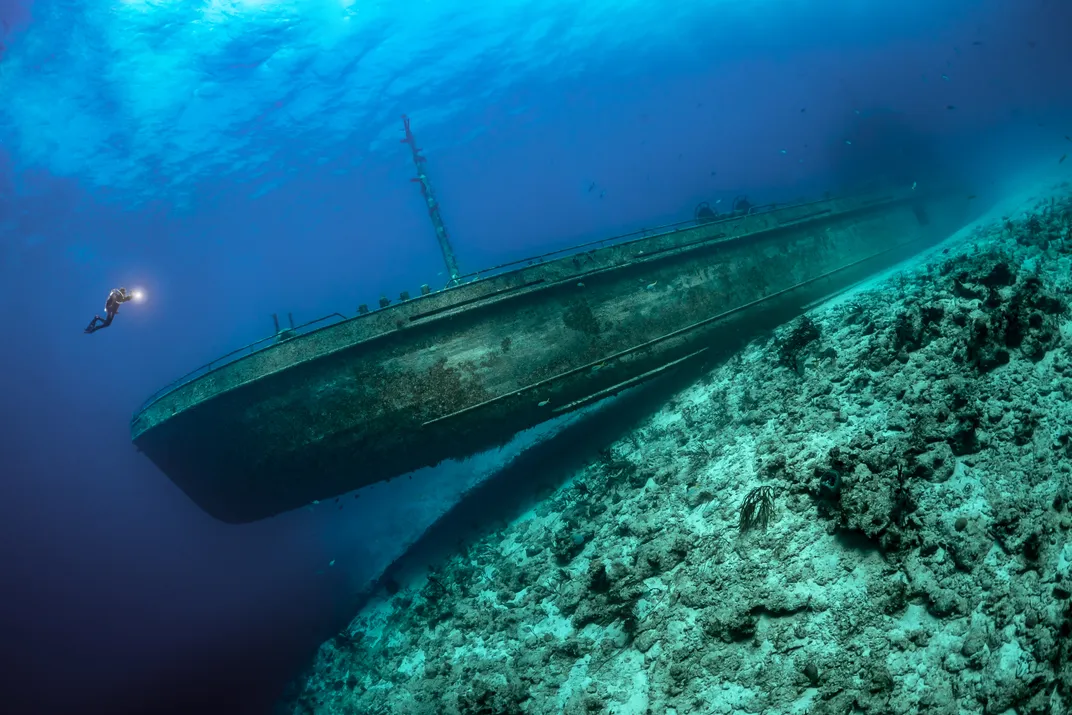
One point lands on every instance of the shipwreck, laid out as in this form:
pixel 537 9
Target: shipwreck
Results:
pixel 342 402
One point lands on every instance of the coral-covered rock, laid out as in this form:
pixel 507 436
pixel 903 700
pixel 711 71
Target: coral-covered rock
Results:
pixel 916 559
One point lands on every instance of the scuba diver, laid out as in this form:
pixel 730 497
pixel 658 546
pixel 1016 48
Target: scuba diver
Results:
pixel 117 297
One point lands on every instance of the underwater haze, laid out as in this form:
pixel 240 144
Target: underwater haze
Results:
pixel 235 160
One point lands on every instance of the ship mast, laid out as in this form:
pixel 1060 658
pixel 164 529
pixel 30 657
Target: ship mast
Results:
pixel 433 205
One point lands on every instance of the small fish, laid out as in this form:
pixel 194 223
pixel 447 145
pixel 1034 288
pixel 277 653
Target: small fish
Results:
pixel 1031 43
pixel 783 151
pixel 1062 159
pixel 857 111
pixel 599 366
pixel 581 284
pixel 331 563
pixel 545 403
pixel 950 106
pixel 803 109
pixel 977 43
pixel 713 173
pixel 848 142
pixel 1068 138
pixel 718 201
pixel 316 501
pixel 913 186
pixel 651 285
pixel 945 77
pixel 592 186
pixel 971 196
pixel 602 193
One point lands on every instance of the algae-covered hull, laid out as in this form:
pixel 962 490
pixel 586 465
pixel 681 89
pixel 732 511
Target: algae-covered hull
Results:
pixel 464 369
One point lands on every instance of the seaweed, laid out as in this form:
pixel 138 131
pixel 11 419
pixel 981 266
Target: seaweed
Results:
pixel 757 508
pixel 791 347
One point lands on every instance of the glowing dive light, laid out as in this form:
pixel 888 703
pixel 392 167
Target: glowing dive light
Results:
pixel 139 295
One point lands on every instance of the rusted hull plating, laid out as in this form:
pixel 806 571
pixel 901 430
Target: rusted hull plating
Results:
pixel 461 370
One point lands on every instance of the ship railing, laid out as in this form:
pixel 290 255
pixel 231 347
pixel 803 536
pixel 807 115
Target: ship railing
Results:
pixel 244 351
pixel 620 238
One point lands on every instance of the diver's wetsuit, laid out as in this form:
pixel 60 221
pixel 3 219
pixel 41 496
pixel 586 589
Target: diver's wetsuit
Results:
pixel 117 297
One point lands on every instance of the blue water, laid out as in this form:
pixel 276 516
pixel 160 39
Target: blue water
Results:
pixel 239 159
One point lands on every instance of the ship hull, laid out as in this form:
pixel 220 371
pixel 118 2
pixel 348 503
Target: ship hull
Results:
pixel 462 370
